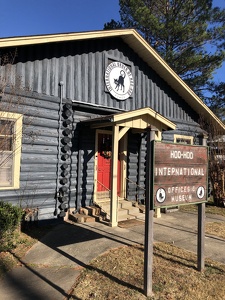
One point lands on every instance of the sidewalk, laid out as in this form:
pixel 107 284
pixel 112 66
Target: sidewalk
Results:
pixel 52 265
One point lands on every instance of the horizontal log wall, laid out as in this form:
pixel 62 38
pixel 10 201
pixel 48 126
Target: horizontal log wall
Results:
pixel 39 157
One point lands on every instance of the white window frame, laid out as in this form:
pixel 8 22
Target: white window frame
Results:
pixel 16 147
pixel 185 138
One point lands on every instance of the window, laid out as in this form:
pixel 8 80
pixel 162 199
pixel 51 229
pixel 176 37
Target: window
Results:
pixel 10 149
pixel 183 139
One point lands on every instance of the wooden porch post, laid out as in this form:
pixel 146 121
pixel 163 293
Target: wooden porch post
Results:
pixel 113 202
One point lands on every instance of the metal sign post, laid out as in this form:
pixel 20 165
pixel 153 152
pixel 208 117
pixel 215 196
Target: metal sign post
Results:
pixel 201 229
pixel 201 237
pixel 149 214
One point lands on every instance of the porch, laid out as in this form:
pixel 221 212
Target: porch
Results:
pixel 111 189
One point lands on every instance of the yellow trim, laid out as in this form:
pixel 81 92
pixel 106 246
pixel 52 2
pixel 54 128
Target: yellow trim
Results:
pixel 139 118
pixel 63 37
pixel 122 132
pixel 158 135
pixel 18 118
pixel 114 169
pixel 140 46
pixel 185 137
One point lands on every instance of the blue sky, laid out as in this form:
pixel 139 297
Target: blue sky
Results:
pixel 31 17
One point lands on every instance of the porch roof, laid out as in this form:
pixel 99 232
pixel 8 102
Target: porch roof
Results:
pixel 138 119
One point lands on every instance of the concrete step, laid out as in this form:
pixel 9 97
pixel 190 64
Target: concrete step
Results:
pixel 126 210
pixel 105 206
pixel 81 218
pixel 129 210
pixel 97 212
pixel 122 204
pixel 125 204
pixel 92 213
pixel 129 213
pixel 87 214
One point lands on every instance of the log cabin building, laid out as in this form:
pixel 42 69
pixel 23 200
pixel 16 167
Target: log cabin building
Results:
pixel 77 107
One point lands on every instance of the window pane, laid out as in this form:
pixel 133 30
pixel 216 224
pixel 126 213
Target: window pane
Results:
pixel 6 176
pixel 6 159
pixel 6 143
pixel 6 127
pixel 183 141
pixel 6 166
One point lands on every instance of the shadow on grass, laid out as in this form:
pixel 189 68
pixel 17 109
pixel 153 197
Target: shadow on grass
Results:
pixel 188 260
pixel 57 238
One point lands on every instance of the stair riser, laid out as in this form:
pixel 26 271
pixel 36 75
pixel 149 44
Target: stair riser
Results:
pixel 126 211
pixel 125 205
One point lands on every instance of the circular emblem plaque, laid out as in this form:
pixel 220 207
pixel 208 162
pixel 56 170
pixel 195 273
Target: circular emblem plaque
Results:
pixel 119 80
pixel 161 195
pixel 200 192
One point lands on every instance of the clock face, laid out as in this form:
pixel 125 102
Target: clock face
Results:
pixel 200 192
pixel 160 195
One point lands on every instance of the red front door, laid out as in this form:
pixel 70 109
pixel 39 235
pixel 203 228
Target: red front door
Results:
pixel 104 164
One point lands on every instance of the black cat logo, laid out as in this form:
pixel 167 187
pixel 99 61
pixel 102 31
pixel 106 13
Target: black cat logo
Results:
pixel 120 81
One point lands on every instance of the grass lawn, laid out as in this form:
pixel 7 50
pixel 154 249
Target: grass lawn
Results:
pixel 23 241
pixel 118 274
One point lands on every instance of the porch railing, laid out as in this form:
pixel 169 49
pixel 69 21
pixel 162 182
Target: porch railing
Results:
pixel 103 195
pixel 102 198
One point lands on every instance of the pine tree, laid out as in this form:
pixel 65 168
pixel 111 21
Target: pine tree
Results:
pixel 186 34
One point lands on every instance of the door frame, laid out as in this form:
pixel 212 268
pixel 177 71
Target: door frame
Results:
pixel 123 163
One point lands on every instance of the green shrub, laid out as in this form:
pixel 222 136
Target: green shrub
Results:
pixel 10 219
